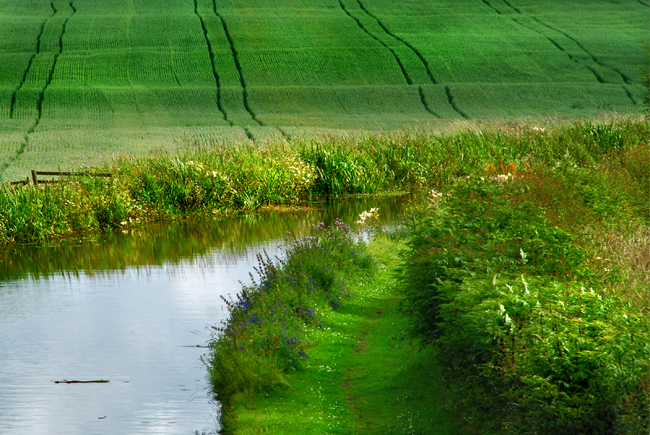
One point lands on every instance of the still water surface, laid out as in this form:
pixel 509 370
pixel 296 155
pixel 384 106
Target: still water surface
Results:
pixel 131 308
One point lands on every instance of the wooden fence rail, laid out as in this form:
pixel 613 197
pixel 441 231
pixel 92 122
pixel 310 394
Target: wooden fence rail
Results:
pixel 36 173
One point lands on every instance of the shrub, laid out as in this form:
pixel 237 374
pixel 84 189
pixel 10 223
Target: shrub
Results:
pixel 541 343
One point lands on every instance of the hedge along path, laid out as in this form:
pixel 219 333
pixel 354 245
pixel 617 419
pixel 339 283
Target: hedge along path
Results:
pixel 565 43
pixel 405 49
pixel 39 72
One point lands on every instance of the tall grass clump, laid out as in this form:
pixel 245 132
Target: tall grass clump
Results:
pixel 215 178
pixel 534 323
pixel 265 336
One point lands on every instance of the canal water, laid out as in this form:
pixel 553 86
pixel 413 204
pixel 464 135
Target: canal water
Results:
pixel 133 308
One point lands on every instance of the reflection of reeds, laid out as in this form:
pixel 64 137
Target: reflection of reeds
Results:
pixel 194 240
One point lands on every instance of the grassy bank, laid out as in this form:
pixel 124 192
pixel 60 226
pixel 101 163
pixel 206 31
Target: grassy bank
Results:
pixel 216 178
pixel 525 283
pixel 328 366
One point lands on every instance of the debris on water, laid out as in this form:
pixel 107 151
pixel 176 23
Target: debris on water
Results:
pixel 98 381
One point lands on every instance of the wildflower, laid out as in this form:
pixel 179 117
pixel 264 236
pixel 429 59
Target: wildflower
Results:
pixel 370 215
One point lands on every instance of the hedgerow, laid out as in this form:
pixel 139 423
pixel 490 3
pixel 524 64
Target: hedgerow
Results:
pixel 540 340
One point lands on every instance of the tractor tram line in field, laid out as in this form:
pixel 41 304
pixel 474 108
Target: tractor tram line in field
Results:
pixel 411 48
pixel 452 103
pixel 29 63
pixel 239 72
pixel 426 105
pixel 394 36
pixel 41 92
pixel 235 56
pixel 362 27
pixel 399 62
pixel 41 96
pixel 557 45
pixel 582 47
pixel 214 68
pixel 242 81
pixel 238 68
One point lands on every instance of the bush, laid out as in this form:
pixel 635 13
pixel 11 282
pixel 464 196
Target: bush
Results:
pixel 541 344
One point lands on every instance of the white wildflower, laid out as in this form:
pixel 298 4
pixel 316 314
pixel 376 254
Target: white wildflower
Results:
pixel 366 217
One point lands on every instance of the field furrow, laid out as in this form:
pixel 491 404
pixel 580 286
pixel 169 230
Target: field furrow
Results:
pixel 393 52
pixel 605 71
pixel 419 56
pixel 602 72
pixel 260 69
pixel 29 62
pixel 214 69
pixel 452 103
pixel 47 56
pixel 235 56
pixel 392 35
pixel 397 59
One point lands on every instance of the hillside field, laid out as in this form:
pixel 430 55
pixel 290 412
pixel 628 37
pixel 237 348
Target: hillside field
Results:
pixel 81 79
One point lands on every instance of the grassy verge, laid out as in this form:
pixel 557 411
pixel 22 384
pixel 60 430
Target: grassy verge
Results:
pixel 358 377
pixel 221 178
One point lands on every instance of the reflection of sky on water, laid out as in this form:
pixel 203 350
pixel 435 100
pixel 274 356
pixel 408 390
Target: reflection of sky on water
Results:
pixel 128 326
pixel 129 308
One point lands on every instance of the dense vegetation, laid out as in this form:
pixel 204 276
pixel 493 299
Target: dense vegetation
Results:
pixel 86 78
pixel 547 331
pixel 226 178
pixel 529 278
pixel 265 335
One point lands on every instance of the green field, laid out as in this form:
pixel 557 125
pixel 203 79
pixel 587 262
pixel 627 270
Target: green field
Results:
pixel 87 78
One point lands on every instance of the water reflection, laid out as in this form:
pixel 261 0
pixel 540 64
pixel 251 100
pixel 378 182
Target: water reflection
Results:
pixel 172 242
pixel 129 308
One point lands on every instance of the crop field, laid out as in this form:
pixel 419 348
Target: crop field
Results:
pixel 81 79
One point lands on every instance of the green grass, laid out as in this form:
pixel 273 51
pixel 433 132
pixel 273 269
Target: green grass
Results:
pixel 359 377
pixel 84 78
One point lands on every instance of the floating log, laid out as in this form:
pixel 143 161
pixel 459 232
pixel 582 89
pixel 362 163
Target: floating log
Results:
pixel 99 381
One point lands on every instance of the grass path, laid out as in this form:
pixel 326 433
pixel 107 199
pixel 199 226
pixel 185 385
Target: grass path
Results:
pixel 359 378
